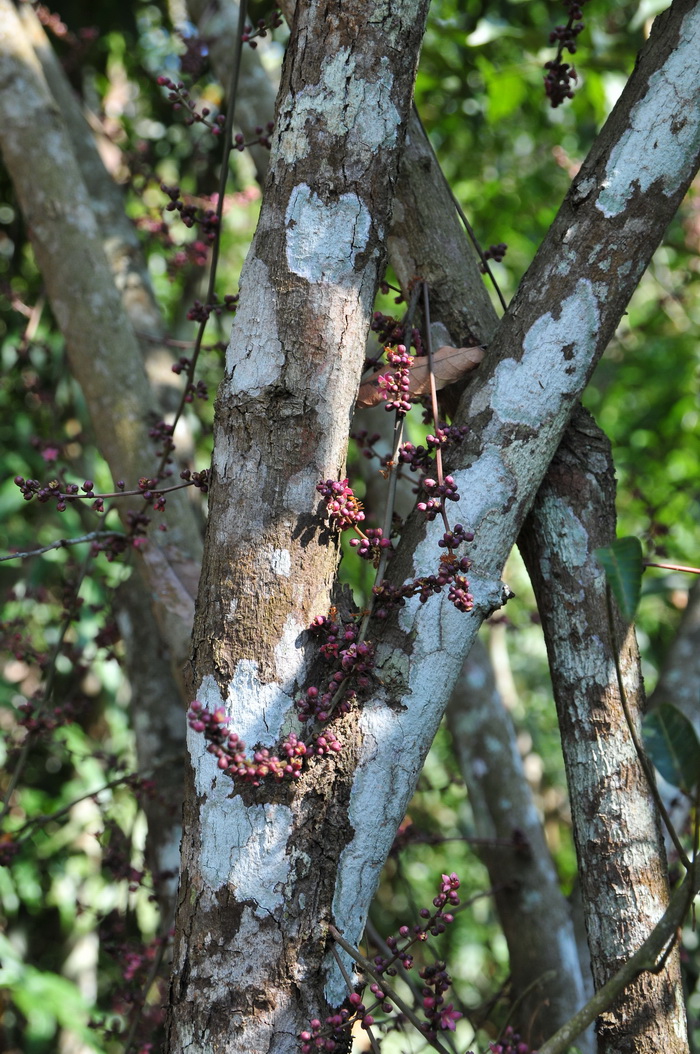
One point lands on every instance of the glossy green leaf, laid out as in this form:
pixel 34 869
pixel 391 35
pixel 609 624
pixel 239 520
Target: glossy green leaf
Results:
pixel 622 563
pixel 673 746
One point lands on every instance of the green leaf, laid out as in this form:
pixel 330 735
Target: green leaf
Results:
pixel 622 563
pixel 673 746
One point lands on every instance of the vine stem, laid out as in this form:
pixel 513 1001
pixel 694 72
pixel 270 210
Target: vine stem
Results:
pixel 369 969
pixel 216 247
pixel 638 746
pixel 64 543
pixel 433 397
pixel 350 988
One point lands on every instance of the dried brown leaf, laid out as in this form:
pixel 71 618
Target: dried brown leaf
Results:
pixel 449 364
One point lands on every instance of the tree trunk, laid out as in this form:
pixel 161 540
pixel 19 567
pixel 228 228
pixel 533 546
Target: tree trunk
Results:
pixel 266 869
pixel 622 863
pixel 283 414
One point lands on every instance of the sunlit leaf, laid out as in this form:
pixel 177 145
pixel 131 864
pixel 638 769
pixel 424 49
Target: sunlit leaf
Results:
pixel 673 746
pixel 622 563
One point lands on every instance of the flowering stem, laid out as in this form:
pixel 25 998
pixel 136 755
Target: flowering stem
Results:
pixel 350 987
pixel 369 970
pixel 223 179
pixel 63 543
pixel 433 395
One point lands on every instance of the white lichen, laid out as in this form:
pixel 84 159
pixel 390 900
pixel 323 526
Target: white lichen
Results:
pixel 324 239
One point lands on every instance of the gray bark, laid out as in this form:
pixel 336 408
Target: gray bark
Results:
pixel 103 352
pixel 283 413
pixel 265 870
pixel 622 864
pixel 546 975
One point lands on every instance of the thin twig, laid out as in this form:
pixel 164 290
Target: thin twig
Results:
pixel 643 761
pixel 223 179
pixel 433 399
pixel 48 817
pixel 460 212
pixel 674 567
pixel 369 969
pixel 351 989
pixel 64 543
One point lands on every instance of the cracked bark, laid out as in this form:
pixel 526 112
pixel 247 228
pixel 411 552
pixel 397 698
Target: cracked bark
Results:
pixel 254 949
pixel 294 360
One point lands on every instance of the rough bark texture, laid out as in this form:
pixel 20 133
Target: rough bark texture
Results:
pixel 259 866
pixel 412 255
pixel 622 863
pixel 427 239
pixel 534 914
pixel 265 870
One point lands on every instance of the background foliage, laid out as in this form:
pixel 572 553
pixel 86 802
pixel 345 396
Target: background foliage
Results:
pixel 82 933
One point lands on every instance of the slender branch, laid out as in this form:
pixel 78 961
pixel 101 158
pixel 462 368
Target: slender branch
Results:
pixel 674 567
pixel 348 982
pixel 644 959
pixel 433 397
pixel 648 771
pixel 64 543
pixel 216 247
pixel 47 817
pixel 369 969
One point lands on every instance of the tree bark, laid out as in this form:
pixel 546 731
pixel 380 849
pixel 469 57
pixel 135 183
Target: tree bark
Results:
pixel 545 972
pixel 103 352
pixel 283 413
pixel 265 870
pixel 622 864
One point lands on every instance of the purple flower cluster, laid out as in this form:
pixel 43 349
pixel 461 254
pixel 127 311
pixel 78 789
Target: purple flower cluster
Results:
pixel 356 661
pixel 262 136
pixel 390 330
pixel 395 387
pixel 261 29
pixel 559 76
pixel 439 493
pixel 332 1034
pixel 229 749
pixel 344 510
pixel 436 981
pixel 370 545
pixel 511 1043
pixel 451 573
pixel 179 96
pixel 494 252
